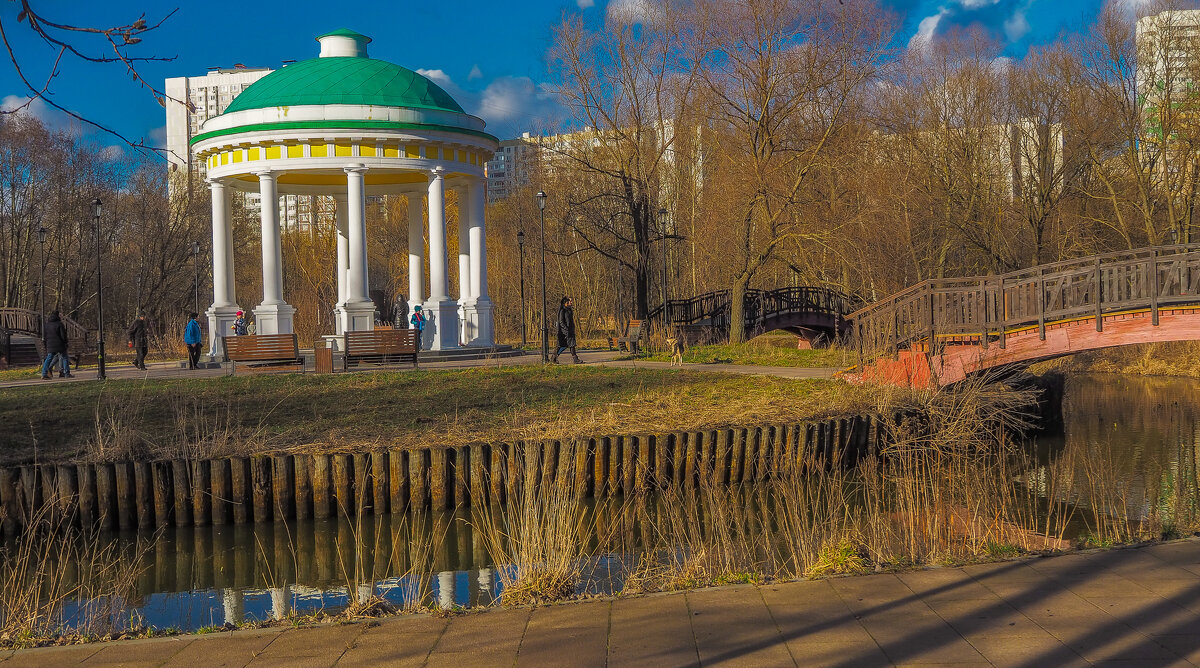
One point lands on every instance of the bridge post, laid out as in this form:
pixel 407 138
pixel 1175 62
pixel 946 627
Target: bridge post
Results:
pixel 1099 297
pixel 1041 286
pixel 1152 285
pixel 983 289
pixel 1002 309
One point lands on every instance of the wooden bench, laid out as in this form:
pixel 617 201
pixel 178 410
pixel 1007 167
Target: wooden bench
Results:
pixel 632 339
pixel 381 346
pixel 261 352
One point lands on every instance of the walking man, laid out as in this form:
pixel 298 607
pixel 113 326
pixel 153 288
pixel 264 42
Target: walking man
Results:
pixel 55 338
pixel 566 330
pixel 139 341
pixel 191 338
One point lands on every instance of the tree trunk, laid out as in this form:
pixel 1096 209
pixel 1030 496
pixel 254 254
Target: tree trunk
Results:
pixel 737 311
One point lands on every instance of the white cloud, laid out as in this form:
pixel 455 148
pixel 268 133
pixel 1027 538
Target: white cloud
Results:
pixel 925 32
pixel 158 136
pixel 438 77
pixel 584 4
pixel 476 73
pixel 633 11
pixel 509 105
pixel 37 108
pixel 1016 26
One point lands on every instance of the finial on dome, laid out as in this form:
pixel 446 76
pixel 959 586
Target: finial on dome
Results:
pixel 343 43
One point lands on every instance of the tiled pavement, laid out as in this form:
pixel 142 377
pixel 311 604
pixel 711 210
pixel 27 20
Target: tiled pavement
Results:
pixel 1135 607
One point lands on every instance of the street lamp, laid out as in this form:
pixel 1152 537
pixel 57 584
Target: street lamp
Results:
pixel 1174 236
pixel 541 200
pixel 662 225
pixel 97 209
pixel 196 273
pixel 521 245
pixel 41 232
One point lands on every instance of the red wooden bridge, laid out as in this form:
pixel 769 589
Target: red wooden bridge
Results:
pixel 942 331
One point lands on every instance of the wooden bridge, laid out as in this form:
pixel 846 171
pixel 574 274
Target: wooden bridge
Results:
pixel 942 331
pixel 816 314
pixel 21 321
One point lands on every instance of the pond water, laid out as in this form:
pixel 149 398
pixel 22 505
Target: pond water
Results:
pixel 190 578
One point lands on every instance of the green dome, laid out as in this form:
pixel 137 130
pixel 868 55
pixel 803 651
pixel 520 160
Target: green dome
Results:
pixel 344 80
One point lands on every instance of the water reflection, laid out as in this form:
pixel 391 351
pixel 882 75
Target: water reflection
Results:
pixel 1129 446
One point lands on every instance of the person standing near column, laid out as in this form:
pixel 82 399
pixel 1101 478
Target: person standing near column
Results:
pixel 139 341
pixel 191 338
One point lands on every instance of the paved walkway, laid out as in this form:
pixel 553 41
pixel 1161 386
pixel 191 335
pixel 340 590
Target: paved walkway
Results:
pixel 1136 607
pixel 163 370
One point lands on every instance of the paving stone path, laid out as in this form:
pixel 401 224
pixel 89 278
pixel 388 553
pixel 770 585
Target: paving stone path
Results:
pixel 1135 607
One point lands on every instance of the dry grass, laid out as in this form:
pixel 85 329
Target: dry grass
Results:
pixel 352 412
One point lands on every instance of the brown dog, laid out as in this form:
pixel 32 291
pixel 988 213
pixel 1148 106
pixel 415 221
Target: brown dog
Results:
pixel 675 345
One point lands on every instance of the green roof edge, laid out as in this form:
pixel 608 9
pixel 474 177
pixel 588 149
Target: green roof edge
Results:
pixel 346 32
pixel 381 125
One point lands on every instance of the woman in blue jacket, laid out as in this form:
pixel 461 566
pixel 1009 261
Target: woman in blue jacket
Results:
pixel 192 337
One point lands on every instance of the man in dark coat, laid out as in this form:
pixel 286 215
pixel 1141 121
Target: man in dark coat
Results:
pixel 55 338
pixel 566 330
pixel 139 341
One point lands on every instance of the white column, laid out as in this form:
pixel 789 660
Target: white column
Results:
pixel 416 250
pixel 441 330
pixel 358 307
pixel 466 326
pixel 479 309
pixel 273 315
pixel 343 260
pixel 439 289
pixel 224 308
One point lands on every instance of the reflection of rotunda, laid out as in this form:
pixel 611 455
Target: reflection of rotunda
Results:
pixel 345 125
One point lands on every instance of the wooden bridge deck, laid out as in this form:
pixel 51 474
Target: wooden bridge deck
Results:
pixel 940 331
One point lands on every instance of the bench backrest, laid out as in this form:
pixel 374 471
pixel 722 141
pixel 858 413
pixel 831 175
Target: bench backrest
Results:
pixel 635 329
pixel 381 342
pixel 262 347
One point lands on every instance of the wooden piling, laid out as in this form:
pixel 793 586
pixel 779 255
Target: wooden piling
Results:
pixel 129 512
pixel 361 480
pixel 31 493
pixel 182 484
pixel 343 485
pixel 163 491
pixel 398 480
pixel 241 488
pixel 322 486
pixel 283 487
pixel 616 476
pixel 600 461
pixel 219 473
pixel 690 452
pixel 302 472
pixel 86 476
pixel 477 458
pixel 260 487
pixel 437 478
pixel 48 475
pixel 379 481
pixel 737 444
pixel 106 496
pixel 722 456
pixel 201 491
pixel 580 447
pixel 10 502
pixel 662 462
pixel 418 477
pixel 461 476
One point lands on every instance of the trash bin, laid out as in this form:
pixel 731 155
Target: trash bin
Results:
pixel 323 354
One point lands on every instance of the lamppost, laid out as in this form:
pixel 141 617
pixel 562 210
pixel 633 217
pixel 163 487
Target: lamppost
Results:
pixel 541 200
pixel 662 225
pixel 521 245
pixel 97 209
pixel 196 273
pixel 41 232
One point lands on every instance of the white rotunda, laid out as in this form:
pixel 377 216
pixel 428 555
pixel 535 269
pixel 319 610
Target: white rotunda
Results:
pixel 346 125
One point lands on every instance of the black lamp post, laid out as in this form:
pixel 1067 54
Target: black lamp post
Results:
pixel 521 246
pixel 97 209
pixel 41 232
pixel 196 273
pixel 541 200
pixel 662 225
pixel 1174 236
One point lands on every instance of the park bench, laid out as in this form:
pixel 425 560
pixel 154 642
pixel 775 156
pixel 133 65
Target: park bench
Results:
pixel 380 346
pixel 263 352
pixel 632 339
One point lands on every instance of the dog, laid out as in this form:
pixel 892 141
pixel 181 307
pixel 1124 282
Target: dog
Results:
pixel 675 345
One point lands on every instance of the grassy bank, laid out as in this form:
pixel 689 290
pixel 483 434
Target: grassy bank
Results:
pixel 226 416
pixel 1177 358
pixel 776 349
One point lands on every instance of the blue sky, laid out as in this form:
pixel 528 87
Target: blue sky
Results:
pixel 490 55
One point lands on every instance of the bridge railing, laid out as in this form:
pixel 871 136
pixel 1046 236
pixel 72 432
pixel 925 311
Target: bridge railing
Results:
pixel 24 321
pixel 714 307
pixel 985 309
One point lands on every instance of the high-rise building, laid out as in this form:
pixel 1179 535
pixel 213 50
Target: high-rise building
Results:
pixel 1168 67
pixel 209 96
